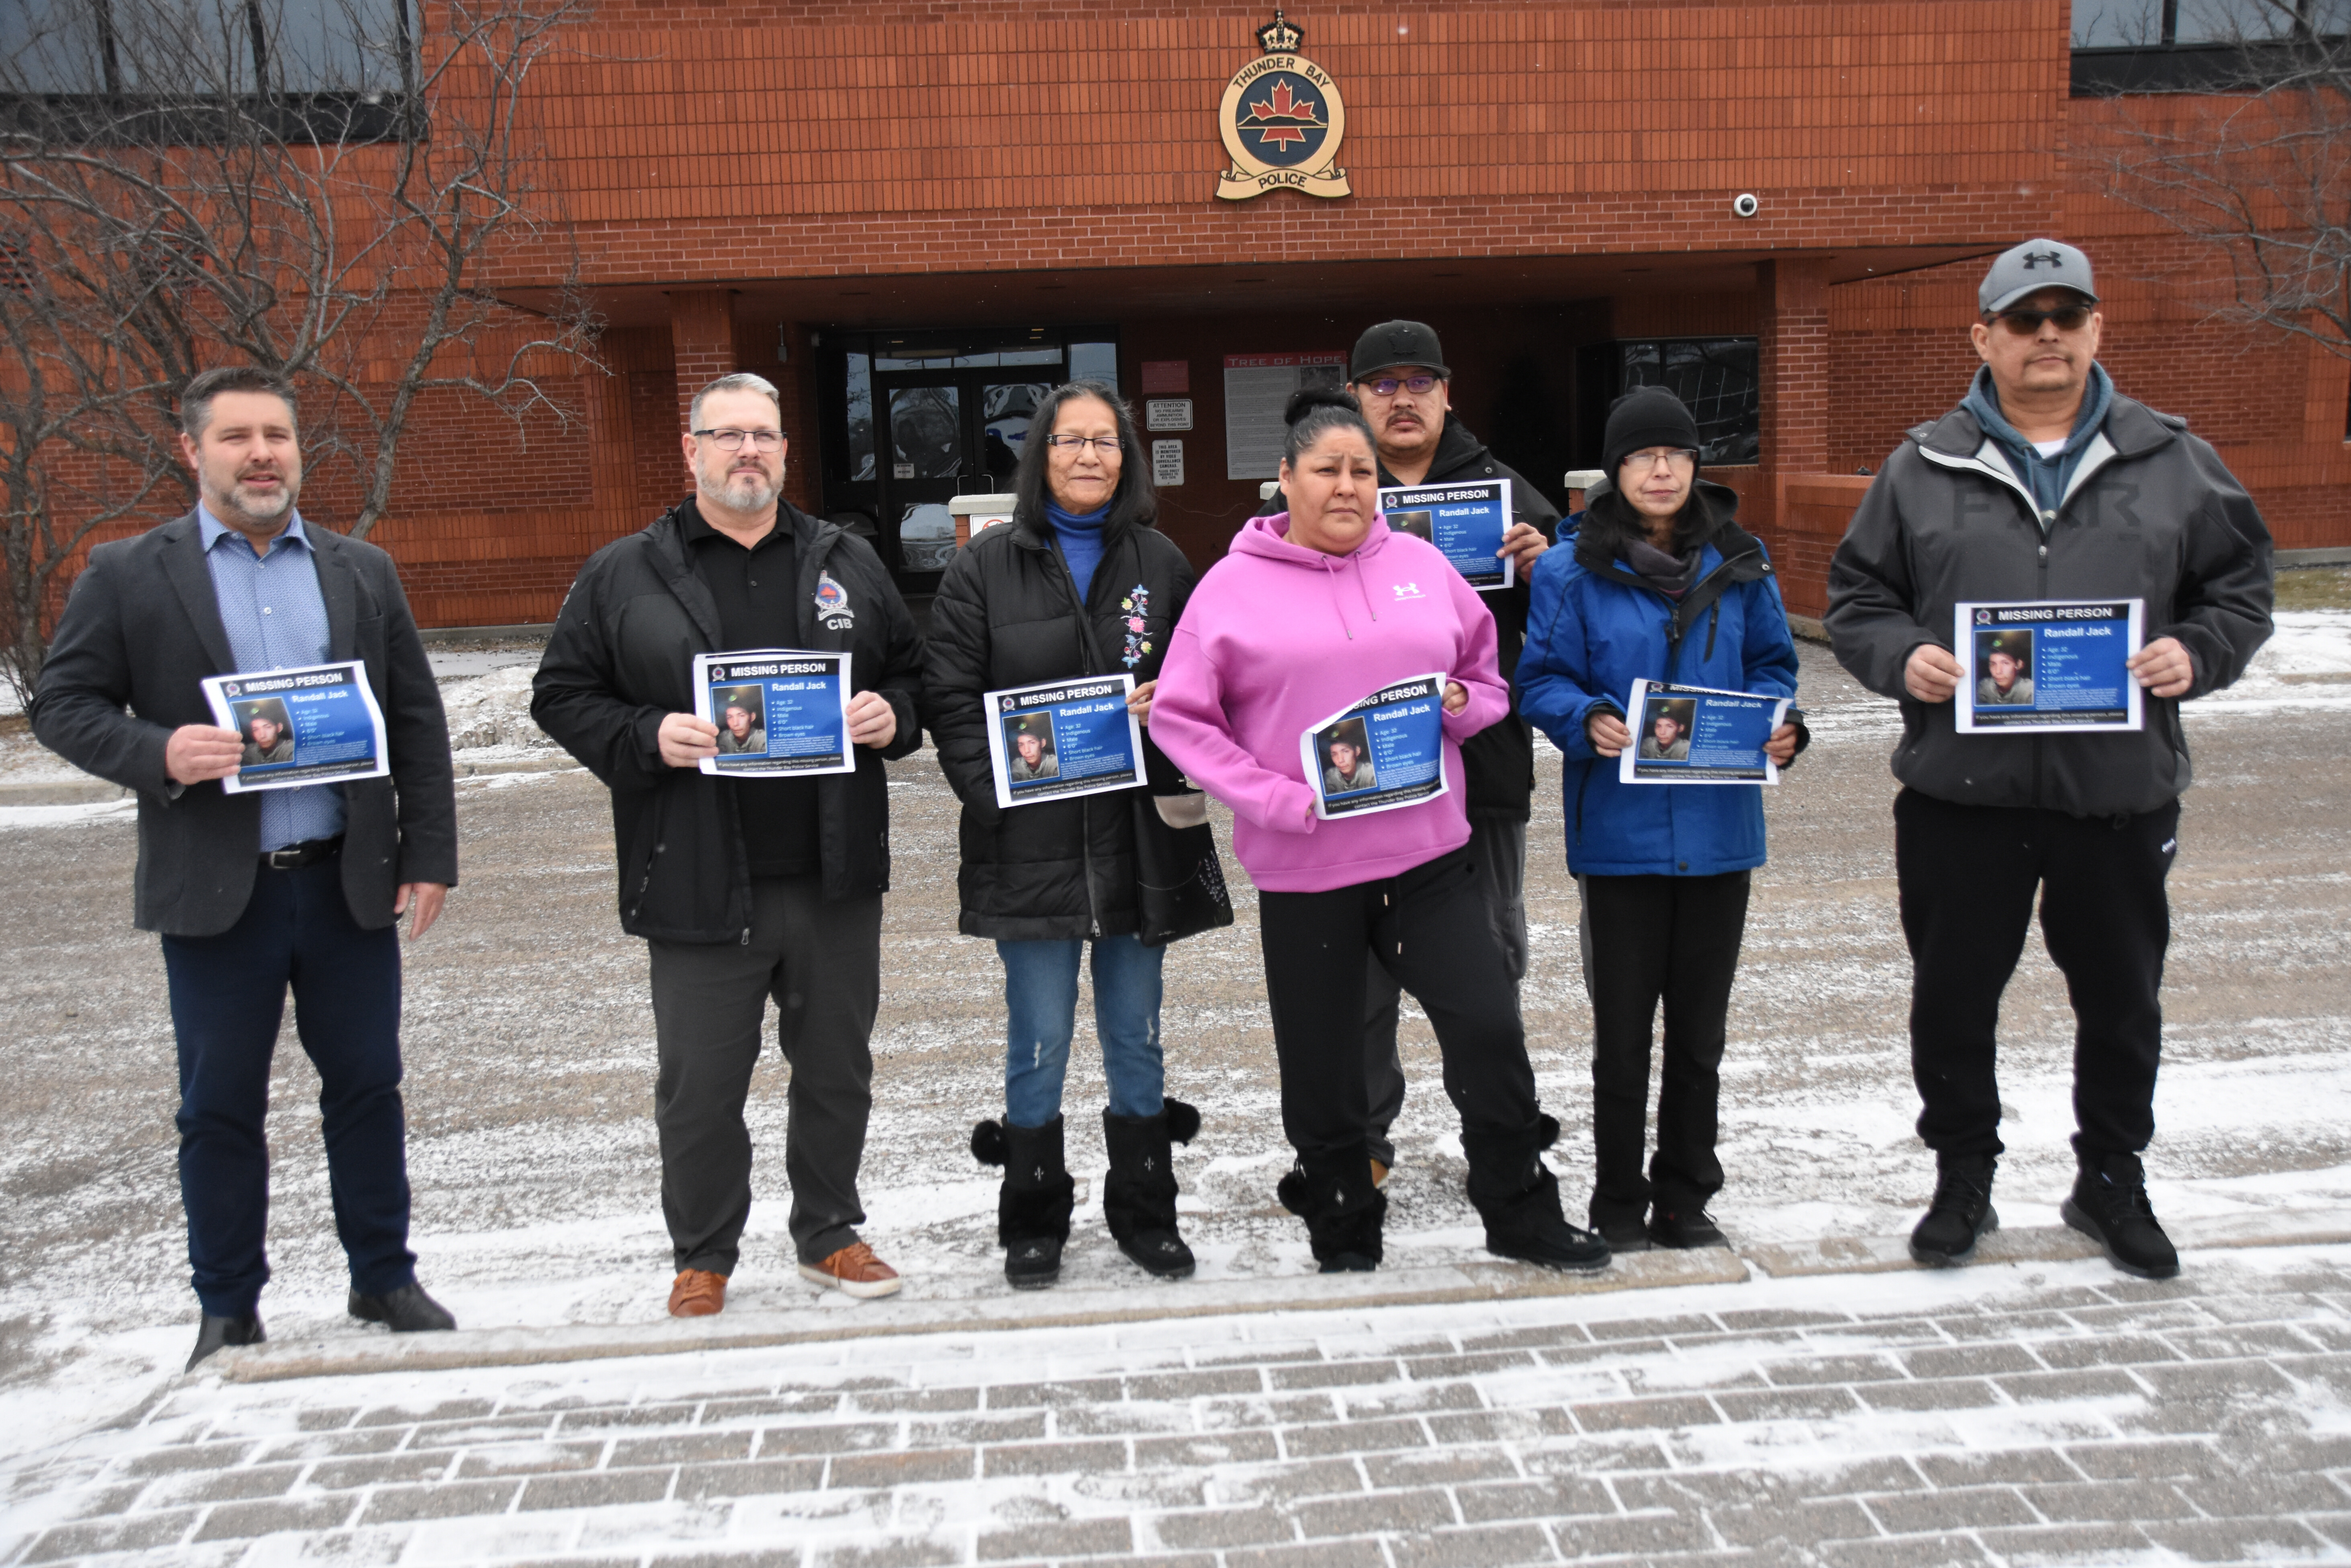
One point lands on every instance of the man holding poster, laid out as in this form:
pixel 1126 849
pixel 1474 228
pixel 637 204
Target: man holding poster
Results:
pixel 746 887
pixel 255 893
pixel 1400 380
pixel 2045 492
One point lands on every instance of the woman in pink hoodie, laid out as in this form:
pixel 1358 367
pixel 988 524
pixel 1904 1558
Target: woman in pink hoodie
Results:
pixel 1313 611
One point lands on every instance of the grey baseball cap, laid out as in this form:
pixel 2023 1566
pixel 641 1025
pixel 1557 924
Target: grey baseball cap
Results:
pixel 2029 267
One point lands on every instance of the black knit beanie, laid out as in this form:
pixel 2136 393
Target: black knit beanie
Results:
pixel 1643 418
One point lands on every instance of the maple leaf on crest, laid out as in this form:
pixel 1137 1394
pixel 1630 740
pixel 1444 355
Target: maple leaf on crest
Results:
pixel 1285 106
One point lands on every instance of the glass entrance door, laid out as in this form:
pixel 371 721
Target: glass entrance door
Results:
pixel 915 419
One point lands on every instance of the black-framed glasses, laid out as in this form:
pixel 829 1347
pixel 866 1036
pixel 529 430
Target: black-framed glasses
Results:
pixel 1106 444
pixel 733 440
pixel 1387 386
pixel 2025 323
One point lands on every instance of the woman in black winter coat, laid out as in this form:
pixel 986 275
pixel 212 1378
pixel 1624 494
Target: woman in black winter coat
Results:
pixel 1079 583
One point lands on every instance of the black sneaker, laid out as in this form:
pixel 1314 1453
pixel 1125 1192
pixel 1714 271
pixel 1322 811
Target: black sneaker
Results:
pixel 1961 1214
pixel 1349 1263
pixel 1682 1229
pixel 1032 1262
pixel 215 1335
pixel 2109 1206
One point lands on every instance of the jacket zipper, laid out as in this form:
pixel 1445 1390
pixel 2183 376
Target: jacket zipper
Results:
pixel 1085 658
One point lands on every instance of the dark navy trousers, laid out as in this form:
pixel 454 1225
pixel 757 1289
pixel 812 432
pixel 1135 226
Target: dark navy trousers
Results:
pixel 228 996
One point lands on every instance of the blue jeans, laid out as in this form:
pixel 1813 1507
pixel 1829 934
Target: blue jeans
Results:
pixel 1040 1001
pixel 228 993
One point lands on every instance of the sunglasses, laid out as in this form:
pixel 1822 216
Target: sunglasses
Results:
pixel 2024 323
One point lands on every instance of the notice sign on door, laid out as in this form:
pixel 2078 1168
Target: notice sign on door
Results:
pixel 1257 387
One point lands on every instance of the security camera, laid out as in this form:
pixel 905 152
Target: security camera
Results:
pixel 1744 205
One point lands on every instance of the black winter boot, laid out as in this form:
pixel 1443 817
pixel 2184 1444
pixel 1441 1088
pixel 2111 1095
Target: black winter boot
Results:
pixel 1343 1210
pixel 1960 1214
pixel 2109 1206
pixel 1518 1196
pixel 1032 1208
pixel 1139 1194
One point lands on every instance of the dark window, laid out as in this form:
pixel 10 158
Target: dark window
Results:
pixel 181 49
pixel 2198 46
pixel 1715 377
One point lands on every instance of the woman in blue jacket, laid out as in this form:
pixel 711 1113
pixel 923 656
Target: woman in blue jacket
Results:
pixel 1661 584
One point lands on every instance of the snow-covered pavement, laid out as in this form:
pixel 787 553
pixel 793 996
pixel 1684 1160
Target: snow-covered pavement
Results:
pixel 529 1083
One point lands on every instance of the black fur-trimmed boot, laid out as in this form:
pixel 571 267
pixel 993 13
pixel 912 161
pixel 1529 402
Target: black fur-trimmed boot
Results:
pixel 1139 1194
pixel 1032 1208
pixel 1518 1196
pixel 1332 1192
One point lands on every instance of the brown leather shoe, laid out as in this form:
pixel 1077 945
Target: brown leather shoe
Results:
pixel 697 1294
pixel 854 1269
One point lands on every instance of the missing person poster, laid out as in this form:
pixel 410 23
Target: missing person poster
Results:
pixel 1693 734
pixel 2053 664
pixel 1466 522
pixel 781 712
pixel 1383 752
pixel 1062 738
pixel 314 725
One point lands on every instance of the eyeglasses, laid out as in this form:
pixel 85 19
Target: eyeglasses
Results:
pixel 2025 323
pixel 1679 459
pixel 1386 386
pixel 1106 444
pixel 733 440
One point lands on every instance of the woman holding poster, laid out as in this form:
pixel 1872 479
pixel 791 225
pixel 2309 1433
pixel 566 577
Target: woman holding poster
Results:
pixel 1080 583
pixel 1315 610
pixel 1662 585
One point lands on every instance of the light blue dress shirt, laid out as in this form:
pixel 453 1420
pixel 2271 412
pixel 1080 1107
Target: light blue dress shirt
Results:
pixel 275 618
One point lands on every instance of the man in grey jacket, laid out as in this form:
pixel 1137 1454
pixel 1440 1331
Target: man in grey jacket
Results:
pixel 2046 484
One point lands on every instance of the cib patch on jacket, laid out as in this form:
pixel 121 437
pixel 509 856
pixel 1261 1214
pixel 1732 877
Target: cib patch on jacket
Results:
pixel 832 603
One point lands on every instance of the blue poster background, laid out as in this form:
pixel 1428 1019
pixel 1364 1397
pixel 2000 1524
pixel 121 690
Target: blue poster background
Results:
pixel 1465 522
pixel 1090 738
pixel 1403 734
pixel 325 710
pixel 2066 664
pixel 1726 734
pixel 801 699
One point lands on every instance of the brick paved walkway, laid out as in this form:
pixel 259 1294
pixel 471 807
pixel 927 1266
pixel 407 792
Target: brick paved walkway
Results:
pixel 2003 1415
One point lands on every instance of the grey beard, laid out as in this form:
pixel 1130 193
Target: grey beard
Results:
pixel 759 496
pixel 267 512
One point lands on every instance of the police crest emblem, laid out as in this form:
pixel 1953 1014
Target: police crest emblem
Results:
pixel 1282 120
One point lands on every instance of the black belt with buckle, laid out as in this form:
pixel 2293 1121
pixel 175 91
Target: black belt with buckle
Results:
pixel 294 857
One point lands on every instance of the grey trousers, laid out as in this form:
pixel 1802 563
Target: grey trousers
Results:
pixel 822 963
pixel 1499 851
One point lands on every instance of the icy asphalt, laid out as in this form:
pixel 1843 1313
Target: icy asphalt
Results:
pixel 529 1053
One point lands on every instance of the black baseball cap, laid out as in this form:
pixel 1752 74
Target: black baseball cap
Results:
pixel 1393 344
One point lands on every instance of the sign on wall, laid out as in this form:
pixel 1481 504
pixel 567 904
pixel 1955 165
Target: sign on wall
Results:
pixel 1282 120
pixel 1257 387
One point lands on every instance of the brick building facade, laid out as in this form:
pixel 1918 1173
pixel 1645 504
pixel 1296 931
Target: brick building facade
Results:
pixel 785 185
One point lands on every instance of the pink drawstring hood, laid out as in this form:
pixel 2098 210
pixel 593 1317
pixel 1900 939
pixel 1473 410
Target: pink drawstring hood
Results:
pixel 1278 636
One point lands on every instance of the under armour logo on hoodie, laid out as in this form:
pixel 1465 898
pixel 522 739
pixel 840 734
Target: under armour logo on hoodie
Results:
pixel 1407 590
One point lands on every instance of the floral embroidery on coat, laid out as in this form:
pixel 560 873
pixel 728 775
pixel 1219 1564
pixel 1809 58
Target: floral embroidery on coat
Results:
pixel 1135 607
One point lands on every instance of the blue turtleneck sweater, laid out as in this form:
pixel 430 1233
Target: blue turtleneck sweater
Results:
pixel 1081 534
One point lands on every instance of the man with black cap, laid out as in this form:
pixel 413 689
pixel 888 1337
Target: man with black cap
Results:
pixel 1399 377
pixel 2044 483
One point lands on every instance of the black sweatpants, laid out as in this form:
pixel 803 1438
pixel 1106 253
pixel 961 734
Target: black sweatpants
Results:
pixel 1433 929
pixel 1498 847
pixel 822 963
pixel 1968 876
pixel 1675 939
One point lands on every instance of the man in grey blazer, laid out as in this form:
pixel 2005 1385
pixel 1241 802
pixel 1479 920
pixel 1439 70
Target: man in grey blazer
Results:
pixel 256 892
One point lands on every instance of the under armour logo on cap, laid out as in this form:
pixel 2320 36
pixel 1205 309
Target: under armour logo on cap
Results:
pixel 2033 258
pixel 2022 271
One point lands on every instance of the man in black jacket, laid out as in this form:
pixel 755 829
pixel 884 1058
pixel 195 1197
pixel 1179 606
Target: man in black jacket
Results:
pixel 2046 484
pixel 255 892
pixel 1404 387
pixel 745 888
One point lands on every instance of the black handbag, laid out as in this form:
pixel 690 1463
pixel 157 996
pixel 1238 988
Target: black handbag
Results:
pixel 1180 882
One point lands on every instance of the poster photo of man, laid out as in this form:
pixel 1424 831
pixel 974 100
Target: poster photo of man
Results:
pixel 268 732
pixel 1665 729
pixel 1420 525
pixel 1029 745
pixel 1347 759
pixel 742 731
pixel 2006 659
